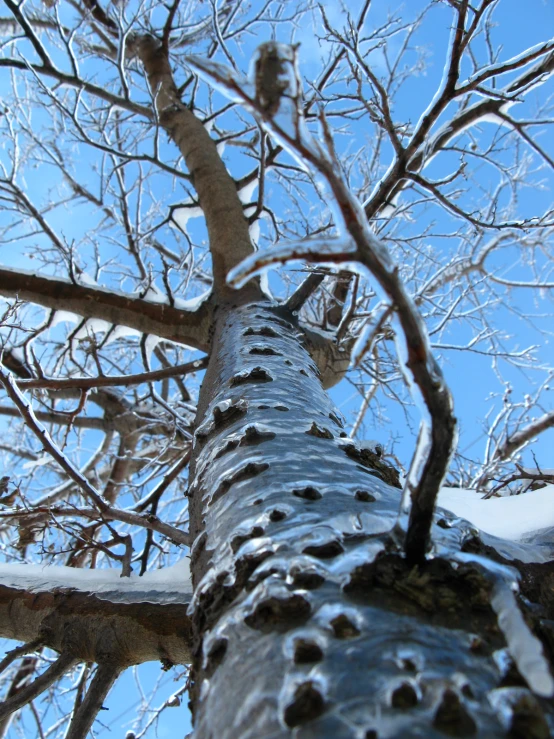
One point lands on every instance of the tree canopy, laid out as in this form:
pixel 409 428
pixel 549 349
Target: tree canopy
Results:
pixel 394 173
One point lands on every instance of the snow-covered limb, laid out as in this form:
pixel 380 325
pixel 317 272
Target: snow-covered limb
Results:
pixel 104 611
pixel 186 327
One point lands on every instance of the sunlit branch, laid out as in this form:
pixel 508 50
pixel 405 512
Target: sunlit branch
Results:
pixel 304 291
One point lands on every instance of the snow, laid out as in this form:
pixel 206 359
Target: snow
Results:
pixel 246 193
pixel 92 326
pixel 181 216
pixel 192 303
pixel 167 585
pixel 514 517
pixel 64 316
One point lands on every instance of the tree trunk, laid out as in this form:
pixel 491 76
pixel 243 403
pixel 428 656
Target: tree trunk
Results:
pixel 308 621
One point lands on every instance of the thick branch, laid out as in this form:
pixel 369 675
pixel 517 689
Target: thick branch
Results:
pixel 217 193
pixel 102 682
pixel 160 319
pixel 94 615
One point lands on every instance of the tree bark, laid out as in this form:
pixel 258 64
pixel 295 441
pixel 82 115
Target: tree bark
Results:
pixel 307 620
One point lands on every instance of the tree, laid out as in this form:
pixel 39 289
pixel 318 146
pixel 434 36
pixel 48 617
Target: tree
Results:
pixel 324 600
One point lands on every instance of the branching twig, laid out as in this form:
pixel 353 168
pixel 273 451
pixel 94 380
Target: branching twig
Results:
pixel 56 670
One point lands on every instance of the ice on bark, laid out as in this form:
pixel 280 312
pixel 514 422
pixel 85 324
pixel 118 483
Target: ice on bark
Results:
pixel 314 249
pixel 523 645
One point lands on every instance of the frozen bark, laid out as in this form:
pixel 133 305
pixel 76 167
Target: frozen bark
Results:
pixel 308 622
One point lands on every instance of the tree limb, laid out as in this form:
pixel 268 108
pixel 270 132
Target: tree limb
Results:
pixel 160 319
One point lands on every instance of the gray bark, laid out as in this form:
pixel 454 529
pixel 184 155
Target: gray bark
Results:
pixel 308 622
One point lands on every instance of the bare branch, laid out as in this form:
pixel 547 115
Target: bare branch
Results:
pixel 53 673
pixel 104 678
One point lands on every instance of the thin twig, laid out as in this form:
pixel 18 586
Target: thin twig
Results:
pixel 54 672
pixel 14 654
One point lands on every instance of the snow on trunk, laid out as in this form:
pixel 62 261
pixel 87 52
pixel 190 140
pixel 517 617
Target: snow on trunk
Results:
pixel 308 621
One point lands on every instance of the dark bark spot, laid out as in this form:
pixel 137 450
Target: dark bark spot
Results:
pixel 215 656
pixel 277 515
pixel 308 704
pixel 281 408
pixel 258 501
pixel 246 566
pixel 263 407
pixel 229 415
pixel 265 351
pixel 252 436
pixel 262 331
pixel 477 645
pixel 303 372
pixel 288 362
pixel 467 691
pixel 249 470
pixel 404 697
pixel 409 665
pixel 256 374
pixel 306 651
pixel 371 734
pixel 371 461
pixel 528 721
pixel 308 493
pixel 325 551
pixel 230 446
pixel 320 433
pixel 336 419
pixel 279 614
pixel 364 496
pixel 238 541
pixel 452 717
pixel 343 627
pixel 307 580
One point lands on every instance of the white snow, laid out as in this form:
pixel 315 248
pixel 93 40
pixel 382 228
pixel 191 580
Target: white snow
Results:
pixel 170 584
pixel 513 517
pixel 246 193
pixel 64 316
pixel 181 216
pixel 192 303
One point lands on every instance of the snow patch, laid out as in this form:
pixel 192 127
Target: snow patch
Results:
pixel 513 517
